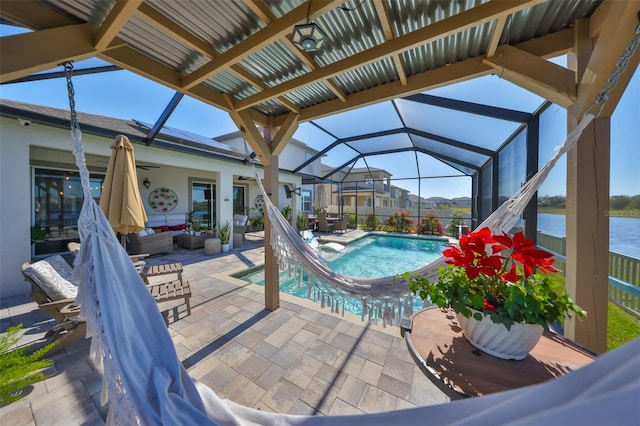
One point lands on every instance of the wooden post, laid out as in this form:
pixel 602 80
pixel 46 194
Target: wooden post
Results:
pixel 271 270
pixel 587 270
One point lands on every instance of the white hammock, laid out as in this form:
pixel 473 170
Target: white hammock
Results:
pixel 387 299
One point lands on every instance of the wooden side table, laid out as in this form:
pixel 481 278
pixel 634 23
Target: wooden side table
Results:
pixel 438 346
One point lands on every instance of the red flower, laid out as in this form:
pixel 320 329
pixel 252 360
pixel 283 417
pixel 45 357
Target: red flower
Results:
pixel 500 256
pixel 488 306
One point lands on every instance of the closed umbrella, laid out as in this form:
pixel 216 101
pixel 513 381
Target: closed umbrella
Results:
pixel 320 201
pixel 120 200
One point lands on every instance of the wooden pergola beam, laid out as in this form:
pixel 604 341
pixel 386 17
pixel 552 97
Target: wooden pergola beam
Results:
pixel 120 13
pixel 47 49
pixel 544 47
pixel 286 131
pixel 156 19
pixel 263 11
pixel 385 22
pixel 444 28
pixel 251 133
pixel 546 79
pixel 269 34
pixel 616 22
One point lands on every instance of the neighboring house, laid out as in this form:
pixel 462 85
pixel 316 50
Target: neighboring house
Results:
pixel 363 187
pixel 40 182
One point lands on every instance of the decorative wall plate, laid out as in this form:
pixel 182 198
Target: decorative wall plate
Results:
pixel 259 202
pixel 163 200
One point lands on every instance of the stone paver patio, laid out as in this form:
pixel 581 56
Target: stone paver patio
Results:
pixel 299 359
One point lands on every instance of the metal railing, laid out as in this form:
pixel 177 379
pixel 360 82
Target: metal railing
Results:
pixel 624 273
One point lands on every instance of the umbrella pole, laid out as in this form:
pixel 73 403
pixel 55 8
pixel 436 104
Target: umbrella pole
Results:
pixel 123 241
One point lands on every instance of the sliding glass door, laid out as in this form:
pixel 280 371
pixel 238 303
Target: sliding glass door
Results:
pixel 203 203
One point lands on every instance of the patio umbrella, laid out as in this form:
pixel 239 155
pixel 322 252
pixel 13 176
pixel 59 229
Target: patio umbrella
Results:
pixel 320 201
pixel 120 200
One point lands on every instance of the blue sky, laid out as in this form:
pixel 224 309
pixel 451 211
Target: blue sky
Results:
pixel 125 95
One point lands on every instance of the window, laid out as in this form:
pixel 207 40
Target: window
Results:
pixel 306 200
pixel 368 181
pixel 203 203
pixel 57 200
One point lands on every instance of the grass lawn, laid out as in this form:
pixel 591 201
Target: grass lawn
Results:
pixel 621 327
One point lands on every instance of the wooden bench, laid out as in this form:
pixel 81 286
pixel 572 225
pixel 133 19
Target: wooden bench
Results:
pixel 172 290
pixel 168 290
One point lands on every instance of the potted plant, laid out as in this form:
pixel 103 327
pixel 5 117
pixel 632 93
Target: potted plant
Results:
pixel 302 222
pixel 497 286
pixel 224 234
pixel 197 226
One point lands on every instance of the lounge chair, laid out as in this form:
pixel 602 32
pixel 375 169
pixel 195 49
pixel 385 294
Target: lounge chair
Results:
pixel 54 290
pixel 312 240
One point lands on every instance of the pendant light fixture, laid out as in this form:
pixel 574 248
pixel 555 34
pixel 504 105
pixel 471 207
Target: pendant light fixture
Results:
pixel 308 37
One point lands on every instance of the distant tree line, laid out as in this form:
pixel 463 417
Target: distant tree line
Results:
pixel 616 202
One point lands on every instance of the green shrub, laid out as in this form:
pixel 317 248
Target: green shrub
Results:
pixel 371 222
pixel 430 224
pixel 17 368
pixel 400 222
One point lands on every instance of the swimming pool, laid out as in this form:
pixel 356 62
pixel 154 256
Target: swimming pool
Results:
pixel 372 256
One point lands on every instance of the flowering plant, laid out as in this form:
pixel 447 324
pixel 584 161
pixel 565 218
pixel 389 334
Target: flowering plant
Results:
pixel 498 275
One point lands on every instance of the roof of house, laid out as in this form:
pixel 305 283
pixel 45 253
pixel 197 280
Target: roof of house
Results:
pixel 136 131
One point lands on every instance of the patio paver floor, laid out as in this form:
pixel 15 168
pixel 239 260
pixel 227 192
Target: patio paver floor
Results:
pixel 299 359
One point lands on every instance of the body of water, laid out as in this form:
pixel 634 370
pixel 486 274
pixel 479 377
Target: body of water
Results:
pixel 624 232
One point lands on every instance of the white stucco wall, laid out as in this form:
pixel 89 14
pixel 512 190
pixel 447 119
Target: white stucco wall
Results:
pixel 15 200
pixel 23 147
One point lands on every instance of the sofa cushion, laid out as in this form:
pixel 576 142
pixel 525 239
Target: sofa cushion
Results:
pixel 178 227
pixel 143 233
pixel 174 219
pixel 156 220
pixel 54 276
pixel 150 231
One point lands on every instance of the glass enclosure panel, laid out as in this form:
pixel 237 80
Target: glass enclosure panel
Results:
pixel 57 200
pixel 512 164
pixel 486 184
pixel 370 119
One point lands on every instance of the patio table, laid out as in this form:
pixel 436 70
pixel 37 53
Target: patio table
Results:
pixel 460 370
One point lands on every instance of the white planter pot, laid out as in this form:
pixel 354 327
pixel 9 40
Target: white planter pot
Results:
pixel 496 340
pixel 198 233
pixel 226 247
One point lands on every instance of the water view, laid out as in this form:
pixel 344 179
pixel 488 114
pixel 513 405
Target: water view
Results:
pixel 623 232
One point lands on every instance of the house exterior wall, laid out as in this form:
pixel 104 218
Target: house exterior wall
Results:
pixel 24 147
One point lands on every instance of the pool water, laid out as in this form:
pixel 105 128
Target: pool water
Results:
pixel 373 256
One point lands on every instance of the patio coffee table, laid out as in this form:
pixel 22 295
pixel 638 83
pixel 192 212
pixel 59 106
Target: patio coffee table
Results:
pixel 439 348
pixel 192 242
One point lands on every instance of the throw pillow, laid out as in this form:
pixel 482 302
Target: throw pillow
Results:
pixel 54 276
